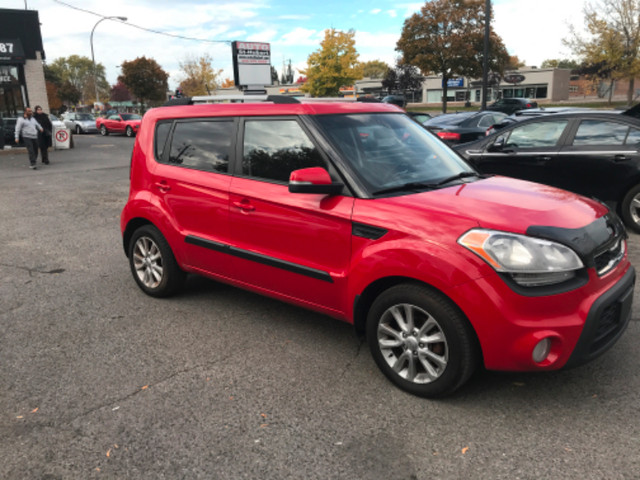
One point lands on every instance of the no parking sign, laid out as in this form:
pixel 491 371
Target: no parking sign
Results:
pixel 61 138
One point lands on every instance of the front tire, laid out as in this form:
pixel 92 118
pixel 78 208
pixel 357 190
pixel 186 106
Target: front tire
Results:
pixel 421 341
pixel 153 264
pixel 103 131
pixel 78 129
pixel 630 209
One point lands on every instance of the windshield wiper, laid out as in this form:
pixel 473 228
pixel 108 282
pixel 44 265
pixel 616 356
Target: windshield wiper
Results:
pixel 456 177
pixel 424 185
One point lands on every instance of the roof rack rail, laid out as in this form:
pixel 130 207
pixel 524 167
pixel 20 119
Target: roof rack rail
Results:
pixel 278 99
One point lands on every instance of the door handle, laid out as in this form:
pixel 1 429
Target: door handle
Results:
pixel 620 158
pixel 244 205
pixel 543 159
pixel 162 186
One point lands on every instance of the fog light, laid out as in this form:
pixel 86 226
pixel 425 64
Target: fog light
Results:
pixel 542 349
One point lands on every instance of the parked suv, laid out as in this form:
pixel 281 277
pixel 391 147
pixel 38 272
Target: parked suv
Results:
pixel 356 211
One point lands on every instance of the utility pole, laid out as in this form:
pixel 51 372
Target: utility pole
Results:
pixel 485 56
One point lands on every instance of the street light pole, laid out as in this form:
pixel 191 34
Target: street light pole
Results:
pixel 485 56
pixel 93 59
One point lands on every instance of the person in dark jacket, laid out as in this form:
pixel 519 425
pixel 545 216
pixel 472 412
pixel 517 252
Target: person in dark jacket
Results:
pixel 44 137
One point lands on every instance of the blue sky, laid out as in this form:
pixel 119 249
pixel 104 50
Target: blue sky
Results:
pixel 531 29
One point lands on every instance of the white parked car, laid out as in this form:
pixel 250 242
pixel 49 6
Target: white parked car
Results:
pixel 80 122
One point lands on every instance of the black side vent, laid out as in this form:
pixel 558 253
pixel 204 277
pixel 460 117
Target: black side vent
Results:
pixel 367 231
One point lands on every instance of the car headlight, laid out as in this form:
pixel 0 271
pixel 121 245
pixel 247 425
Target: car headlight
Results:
pixel 531 262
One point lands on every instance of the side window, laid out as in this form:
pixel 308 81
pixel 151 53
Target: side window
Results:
pixel 486 121
pixel 537 134
pixel 162 132
pixel 274 148
pixel 634 136
pixel 114 117
pixel 596 132
pixel 204 145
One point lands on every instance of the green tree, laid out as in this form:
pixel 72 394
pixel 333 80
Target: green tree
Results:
pixel 78 71
pixel 447 37
pixel 560 63
pixel 374 69
pixel 613 40
pixel 199 77
pixel 146 80
pixel 333 65
pixel 403 78
pixel 67 92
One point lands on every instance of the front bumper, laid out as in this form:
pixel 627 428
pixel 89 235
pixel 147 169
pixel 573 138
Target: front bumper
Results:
pixel 581 324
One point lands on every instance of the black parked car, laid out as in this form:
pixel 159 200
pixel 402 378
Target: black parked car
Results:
pixel 593 154
pixel 511 105
pixel 7 128
pixel 463 127
pixel 398 100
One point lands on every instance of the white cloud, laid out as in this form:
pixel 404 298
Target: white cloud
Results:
pixel 392 13
pixel 375 11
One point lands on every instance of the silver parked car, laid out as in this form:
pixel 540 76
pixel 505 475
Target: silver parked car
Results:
pixel 80 122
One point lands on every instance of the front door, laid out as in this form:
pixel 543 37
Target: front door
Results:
pixel 288 244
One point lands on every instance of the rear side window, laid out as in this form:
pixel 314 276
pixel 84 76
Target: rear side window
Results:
pixel 203 145
pixel 162 133
pixel 275 148
pixel 596 132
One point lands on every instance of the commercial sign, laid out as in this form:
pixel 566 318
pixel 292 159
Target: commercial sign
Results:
pixel 11 50
pixel 454 82
pixel 251 63
pixel 514 78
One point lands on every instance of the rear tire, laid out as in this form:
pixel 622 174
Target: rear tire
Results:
pixel 630 209
pixel 421 341
pixel 153 264
pixel 129 132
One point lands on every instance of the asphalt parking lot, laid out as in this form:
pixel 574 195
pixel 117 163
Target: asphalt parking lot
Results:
pixel 98 380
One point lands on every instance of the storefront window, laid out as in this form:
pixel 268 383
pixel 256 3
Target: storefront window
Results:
pixel 11 98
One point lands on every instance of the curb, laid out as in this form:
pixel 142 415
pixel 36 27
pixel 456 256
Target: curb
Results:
pixel 13 150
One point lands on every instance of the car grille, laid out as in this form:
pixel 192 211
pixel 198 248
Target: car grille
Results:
pixel 607 259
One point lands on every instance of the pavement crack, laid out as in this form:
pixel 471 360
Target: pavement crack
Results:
pixel 33 270
pixel 361 342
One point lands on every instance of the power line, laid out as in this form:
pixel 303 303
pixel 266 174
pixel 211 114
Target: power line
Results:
pixel 173 35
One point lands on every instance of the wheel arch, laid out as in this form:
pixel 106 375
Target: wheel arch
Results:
pixel 131 227
pixel 363 303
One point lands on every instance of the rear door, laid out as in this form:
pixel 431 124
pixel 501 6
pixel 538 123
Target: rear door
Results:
pixel 289 244
pixel 191 183
pixel 524 151
pixel 600 158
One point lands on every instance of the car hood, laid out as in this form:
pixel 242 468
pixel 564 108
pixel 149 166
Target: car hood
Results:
pixel 502 203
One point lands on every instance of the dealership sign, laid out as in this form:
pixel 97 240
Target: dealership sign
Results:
pixel 251 63
pixel 454 82
pixel 514 78
pixel 11 50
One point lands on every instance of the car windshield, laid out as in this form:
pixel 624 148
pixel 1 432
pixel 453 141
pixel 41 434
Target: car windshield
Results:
pixel 84 116
pixel 131 116
pixel 388 151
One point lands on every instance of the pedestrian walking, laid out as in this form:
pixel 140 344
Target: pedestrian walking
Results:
pixel 44 137
pixel 28 127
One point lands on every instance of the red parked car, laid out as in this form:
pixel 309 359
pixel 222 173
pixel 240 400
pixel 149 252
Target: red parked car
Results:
pixel 127 123
pixel 356 211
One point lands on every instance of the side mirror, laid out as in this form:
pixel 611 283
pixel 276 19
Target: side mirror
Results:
pixel 313 180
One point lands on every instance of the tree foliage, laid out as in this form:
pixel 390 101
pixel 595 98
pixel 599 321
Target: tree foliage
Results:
pixel 402 78
pixel 227 83
pixel 374 69
pixel 447 37
pixel 55 103
pixel 612 44
pixel 145 79
pixel 560 63
pixel 120 93
pixel 199 76
pixel 333 65
pixel 78 72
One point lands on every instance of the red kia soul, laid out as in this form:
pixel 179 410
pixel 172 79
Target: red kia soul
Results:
pixel 356 211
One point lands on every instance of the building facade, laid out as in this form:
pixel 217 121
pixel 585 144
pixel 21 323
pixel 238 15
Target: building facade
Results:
pixel 533 83
pixel 22 80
